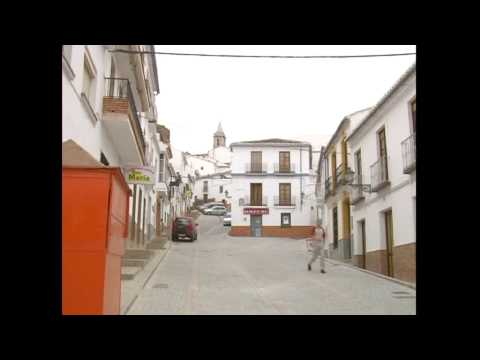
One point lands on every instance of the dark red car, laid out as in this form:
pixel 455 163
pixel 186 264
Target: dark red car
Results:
pixel 184 227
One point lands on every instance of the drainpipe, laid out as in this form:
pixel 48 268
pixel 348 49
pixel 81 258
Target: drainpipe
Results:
pixel 301 181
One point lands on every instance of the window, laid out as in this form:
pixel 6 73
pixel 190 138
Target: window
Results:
pixel 285 219
pixel 103 159
pixel 221 189
pixel 413 110
pixel 358 166
pixel 285 194
pixel 256 161
pixel 161 165
pixel 284 161
pixel 334 168
pixel 344 153
pixel 382 147
pixel 256 194
pixel 205 186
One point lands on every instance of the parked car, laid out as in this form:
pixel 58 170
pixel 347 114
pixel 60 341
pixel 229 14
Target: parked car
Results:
pixel 216 210
pixel 184 227
pixel 227 219
pixel 209 205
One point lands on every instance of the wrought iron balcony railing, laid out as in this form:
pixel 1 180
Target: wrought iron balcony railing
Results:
pixel 256 168
pixel 119 88
pixel 379 174
pixel 280 201
pixel 247 201
pixel 329 187
pixel 357 191
pixel 280 168
pixel 409 154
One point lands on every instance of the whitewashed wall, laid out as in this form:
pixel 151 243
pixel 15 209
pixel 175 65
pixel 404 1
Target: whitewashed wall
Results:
pixel 395 117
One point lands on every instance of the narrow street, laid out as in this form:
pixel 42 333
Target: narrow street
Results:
pixel 219 275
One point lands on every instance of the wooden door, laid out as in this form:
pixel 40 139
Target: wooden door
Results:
pixel 284 163
pixel 389 238
pixel 335 227
pixel 364 244
pixel 256 161
pixel 256 194
pixel 383 153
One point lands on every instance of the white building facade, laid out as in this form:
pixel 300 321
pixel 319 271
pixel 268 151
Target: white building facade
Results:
pixel 108 99
pixel 334 207
pixel 383 146
pixel 272 188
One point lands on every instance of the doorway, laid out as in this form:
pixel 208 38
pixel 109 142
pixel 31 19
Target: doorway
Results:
pixel 364 243
pixel 389 238
pixel 335 228
pixel 256 225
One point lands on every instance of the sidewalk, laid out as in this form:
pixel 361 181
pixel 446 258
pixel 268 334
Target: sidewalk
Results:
pixel 131 288
pixel 349 264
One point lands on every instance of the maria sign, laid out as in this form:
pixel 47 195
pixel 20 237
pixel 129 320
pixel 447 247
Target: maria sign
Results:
pixel 141 175
pixel 255 211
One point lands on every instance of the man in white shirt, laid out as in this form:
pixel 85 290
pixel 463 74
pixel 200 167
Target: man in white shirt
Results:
pixel 318 242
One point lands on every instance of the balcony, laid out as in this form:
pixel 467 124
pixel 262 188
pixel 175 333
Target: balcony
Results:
pixel 246 201
pixel 357 193
pixel 122 121
pixel 279 201
pixel 344 177
pixel 329 187
pixel 256 168
pixel 409 154
pixel 280 169
pixel 379 174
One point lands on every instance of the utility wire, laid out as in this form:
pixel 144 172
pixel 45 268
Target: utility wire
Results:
pixel 263 56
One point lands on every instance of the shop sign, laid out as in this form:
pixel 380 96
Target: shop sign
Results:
pixel 255 211
pixel 141 175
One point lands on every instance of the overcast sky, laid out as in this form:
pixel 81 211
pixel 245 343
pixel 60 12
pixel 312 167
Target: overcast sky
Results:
pixel 254 99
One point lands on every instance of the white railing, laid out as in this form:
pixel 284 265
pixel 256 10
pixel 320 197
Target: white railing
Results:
pixel 409 154
pixel 256 168
pixel 379 173
pixel 246 201
pixel 282 169
pixel 279 201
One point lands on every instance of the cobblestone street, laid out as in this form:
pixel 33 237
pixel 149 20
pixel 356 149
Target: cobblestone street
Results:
pixel 219 274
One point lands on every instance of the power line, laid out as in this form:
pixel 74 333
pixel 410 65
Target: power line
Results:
pixel 264 56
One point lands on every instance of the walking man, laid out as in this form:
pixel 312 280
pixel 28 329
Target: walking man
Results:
pixel 318 242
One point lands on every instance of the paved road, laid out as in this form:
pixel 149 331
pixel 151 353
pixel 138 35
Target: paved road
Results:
pixel 219 274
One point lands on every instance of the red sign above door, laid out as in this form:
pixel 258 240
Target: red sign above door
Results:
pixel 255 211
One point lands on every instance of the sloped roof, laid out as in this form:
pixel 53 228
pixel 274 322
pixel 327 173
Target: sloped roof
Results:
pixel 354 119
pixel 74 155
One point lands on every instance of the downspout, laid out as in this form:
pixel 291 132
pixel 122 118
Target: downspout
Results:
pixel 301 181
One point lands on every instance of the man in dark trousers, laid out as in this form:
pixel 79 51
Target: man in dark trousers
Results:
pixel 318 242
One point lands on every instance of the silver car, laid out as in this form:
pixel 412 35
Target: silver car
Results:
pixel 216 210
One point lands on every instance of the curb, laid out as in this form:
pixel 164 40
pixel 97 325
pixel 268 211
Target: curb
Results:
pixel 161 257
pixel 401 282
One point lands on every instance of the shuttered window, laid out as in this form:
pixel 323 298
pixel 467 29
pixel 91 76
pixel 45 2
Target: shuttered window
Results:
pixel 256 194
pixel 256 161
pixel 285 194
pixel 284 161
